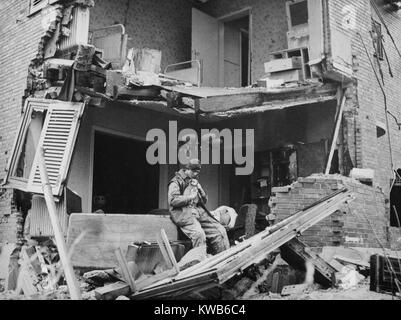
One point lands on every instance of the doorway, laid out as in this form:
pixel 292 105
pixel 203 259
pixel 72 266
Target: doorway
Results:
pixel 122 175
pixel 236 52
pixel 223 46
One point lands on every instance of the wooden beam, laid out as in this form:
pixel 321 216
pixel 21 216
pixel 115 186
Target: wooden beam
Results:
pixel 228 102
pixel 112 291
pixel 73 287
pixel 169 250
pixel 143 284
pixel 164 251
pixel 125 269
pixel 335 134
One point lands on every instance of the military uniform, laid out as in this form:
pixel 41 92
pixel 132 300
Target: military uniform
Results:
pixel 194 221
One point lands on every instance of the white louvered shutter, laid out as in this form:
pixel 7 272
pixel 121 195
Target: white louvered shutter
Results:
pixel 36 5
pixel 58 139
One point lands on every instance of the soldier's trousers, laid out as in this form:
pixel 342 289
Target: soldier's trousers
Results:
pixel 203 230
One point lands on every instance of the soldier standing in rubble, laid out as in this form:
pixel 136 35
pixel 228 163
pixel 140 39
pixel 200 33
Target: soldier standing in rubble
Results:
pixel 189 213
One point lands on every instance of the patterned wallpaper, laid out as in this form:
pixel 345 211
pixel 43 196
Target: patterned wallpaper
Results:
pixel 166 25
pixel 156 24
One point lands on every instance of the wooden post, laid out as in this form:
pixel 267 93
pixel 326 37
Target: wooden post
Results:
pixel 61 246
pixel 335 135
pixel 164 251
pixel 169 250
pixel 125 269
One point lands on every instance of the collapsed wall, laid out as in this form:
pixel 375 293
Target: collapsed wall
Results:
pixel 363 223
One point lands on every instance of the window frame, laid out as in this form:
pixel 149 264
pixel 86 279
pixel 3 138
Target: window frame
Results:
pixel 288 4
pixel 46 105
pixel 32 9
pixel 38 7
pixel 29 107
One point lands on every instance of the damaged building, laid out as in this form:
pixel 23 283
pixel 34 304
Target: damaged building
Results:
pixel 86 80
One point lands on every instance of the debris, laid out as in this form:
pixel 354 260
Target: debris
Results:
pixel 122 298
pixel 347 260
pixel 112 291
pixel 363 175
pixel 192 257
pixel 145 59
pixel 166 249
pixel 100 277
pixel 342 255
pixel 277 65
pixel 148 256
pixel 297 253
pixel 296 289
pixel 128 276
pixel 227 264
pixel 348 278
pixel 5 253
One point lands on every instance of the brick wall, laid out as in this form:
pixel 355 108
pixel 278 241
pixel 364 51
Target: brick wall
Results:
pixel 19 38
pixel 364 224
pixel 11 220
pixel 372 152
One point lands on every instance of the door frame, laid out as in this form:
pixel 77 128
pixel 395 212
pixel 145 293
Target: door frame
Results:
pixel 247 11
pixel 119 134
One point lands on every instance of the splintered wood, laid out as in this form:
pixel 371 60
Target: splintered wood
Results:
pixel 225 265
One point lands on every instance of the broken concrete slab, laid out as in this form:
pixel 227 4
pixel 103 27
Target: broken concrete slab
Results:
pixel 363 175
pixel 344 255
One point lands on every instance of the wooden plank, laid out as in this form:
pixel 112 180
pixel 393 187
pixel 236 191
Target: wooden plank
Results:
pixel 164 252
pixel 258 242
pixel 156 278
pixel 287 76
pixel 106 232
pixel 227 102
pixel 125 269
pixel 168 289
pixel 335 134
pixel 69 275
pixel 278 65
pixel 227 264
pixel 112 291
pixel 169 250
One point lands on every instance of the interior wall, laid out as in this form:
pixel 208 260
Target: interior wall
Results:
pixel 269 27
pixel 299 126
pixel 156 24
pixel 116 118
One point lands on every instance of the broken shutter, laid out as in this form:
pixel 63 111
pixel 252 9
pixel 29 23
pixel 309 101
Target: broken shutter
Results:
pixel 13 179
pixel 36 5
pixel 57 138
